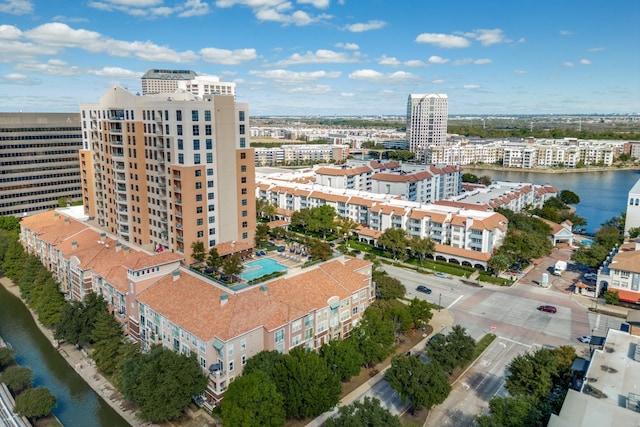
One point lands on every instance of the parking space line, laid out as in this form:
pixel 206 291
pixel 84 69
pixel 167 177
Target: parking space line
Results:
pixel 514 341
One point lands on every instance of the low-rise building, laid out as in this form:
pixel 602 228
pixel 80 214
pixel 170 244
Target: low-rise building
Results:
pixel 621 272
pixel 158 301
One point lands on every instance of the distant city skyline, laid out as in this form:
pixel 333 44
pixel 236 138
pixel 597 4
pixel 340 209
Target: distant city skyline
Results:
pixel 330 57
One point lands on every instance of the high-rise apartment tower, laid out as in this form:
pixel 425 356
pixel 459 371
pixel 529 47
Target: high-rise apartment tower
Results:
pixel 164 171
pixel 426 122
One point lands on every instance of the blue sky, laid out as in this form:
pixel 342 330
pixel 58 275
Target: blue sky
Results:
pixel 331 57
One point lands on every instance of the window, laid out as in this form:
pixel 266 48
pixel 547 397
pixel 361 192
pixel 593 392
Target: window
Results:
pixel 230 350
pixel 179 130
pixel 180 144
pixel 209 143
pixel 198 185
pixel 244 224
pixel 210 196
pixel 209 184
pixel 196 144
pixel 212 219
pixel 179 115
pixel 209 158
pixel 279 337
pixel 199 221
pixel 241 129
pixel 207 115
pixel 296 325
pixel 243 344
pixel 243 180
pixel 210 172
pixel 200 233
pixel 243 168
pixel 198 173
pixel 244 202
pixel 241 116
pixel 198 197
pixel 243 143
pixel 243 156
pixel 212 208
pixel 196 158
pixel 207 129
pixel 194 115
pixel 354 310
pixel 243 360
pixel 296 340
pixel 199 209
pixel 195 130
pixel 181 158
pixel 231 366
pixel 245 235
pixel 244 213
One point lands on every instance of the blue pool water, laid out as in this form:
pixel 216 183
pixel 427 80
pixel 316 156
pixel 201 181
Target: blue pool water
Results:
pixel 260 267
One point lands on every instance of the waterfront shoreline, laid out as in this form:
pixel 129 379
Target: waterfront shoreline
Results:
pixel 84 366
pixel 549 170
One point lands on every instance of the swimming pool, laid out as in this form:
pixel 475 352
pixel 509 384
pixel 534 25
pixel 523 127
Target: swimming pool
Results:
pixel 260 267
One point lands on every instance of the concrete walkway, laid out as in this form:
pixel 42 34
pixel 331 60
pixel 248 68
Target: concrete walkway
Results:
pixel 440 320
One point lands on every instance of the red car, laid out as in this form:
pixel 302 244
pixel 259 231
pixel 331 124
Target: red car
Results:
pixel 547 308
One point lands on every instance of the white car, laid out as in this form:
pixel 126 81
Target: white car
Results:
pixel 585 339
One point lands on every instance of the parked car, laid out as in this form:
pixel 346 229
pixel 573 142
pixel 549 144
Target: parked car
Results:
pixel 591 277
pixel 424 289
pixel 435 338
pixel 547 308
pixel 441 274
pixel 585 339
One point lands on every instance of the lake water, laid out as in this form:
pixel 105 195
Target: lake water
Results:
pixel 78 405
pixel 603 194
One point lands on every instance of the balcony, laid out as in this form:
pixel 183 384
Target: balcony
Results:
pixel 176 177
pixel 179 239
pixel 121 188
pixel 178 201
pixel 178 214
pixel 179 226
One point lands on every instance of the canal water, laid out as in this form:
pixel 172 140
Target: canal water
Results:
pixel 603 194
pixel 78 405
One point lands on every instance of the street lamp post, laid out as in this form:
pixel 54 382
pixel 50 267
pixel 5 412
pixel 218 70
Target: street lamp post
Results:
pixel 439 301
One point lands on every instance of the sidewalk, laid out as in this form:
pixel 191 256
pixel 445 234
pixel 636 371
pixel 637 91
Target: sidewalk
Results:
pixel 440 320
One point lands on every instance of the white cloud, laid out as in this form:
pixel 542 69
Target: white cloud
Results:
pixel 568 64
pixel 58 35
pixel 388 60
pixel 319 4
pixel 482 61
pixel 366 26
pixel 227 57
pixel 16 7
pixel 61 18
pixel 116 73
pixel 520 72
pixel 54 67
pixel 320 56
pixel 471 87
pixel 19 79
pixel 348 46
pixel 443 40
pixel 288 77
pixel 437 82
pixel 9 32
pixel 280 10
pixel 585 62
pixel 435 59
pixel 464 61
pixel 488 37
pixel 369 75
pixel 194 8
pixel 347 94
pixel 596 49
pixel 414 63
pixel 565 33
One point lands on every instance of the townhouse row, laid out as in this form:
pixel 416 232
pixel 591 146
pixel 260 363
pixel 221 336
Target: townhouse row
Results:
pixel 159 302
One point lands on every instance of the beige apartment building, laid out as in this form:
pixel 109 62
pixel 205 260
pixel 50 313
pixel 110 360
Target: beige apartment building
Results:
pixel 163 171
pixel 159 302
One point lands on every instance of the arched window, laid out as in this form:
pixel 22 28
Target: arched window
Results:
pixel 631 201
pixel 637 202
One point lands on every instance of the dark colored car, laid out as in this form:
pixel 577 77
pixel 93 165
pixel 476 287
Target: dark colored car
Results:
pixel 547 308
pixel 424 289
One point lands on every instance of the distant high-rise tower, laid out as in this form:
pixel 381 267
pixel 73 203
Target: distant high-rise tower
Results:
pixel 38 161
pixel 164 171
pixel 157 81
pixel 426 122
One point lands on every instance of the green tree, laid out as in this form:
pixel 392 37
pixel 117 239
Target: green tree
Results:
pixel 374 337
pixel 35 403
pixel 6 357
pixel 611 296
pixel 498 263
pixel 424 384
pixel 394 240
pixel 214 260
pixel 470 178
pixel 420 312
pixel 262 234
pixel 421 247
pixel 62 202
pixel 162 382
pixel 232 265
pixel 17 378
pixel 197 251
pixel 532 374
pixel 322 220
pixel 308 385
pixel 389 287
pixel 569 197
pixel 70 326
pixel 265 361
pixel 108 346
pixel 319 249
pixel 10 223
pixel 485 180
pixel 634 232
pixel 301 219
pixel 454 350
pixel 253 401
pixel 345 226
pixel 343 358
pixel 368 413
pixel 512 411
